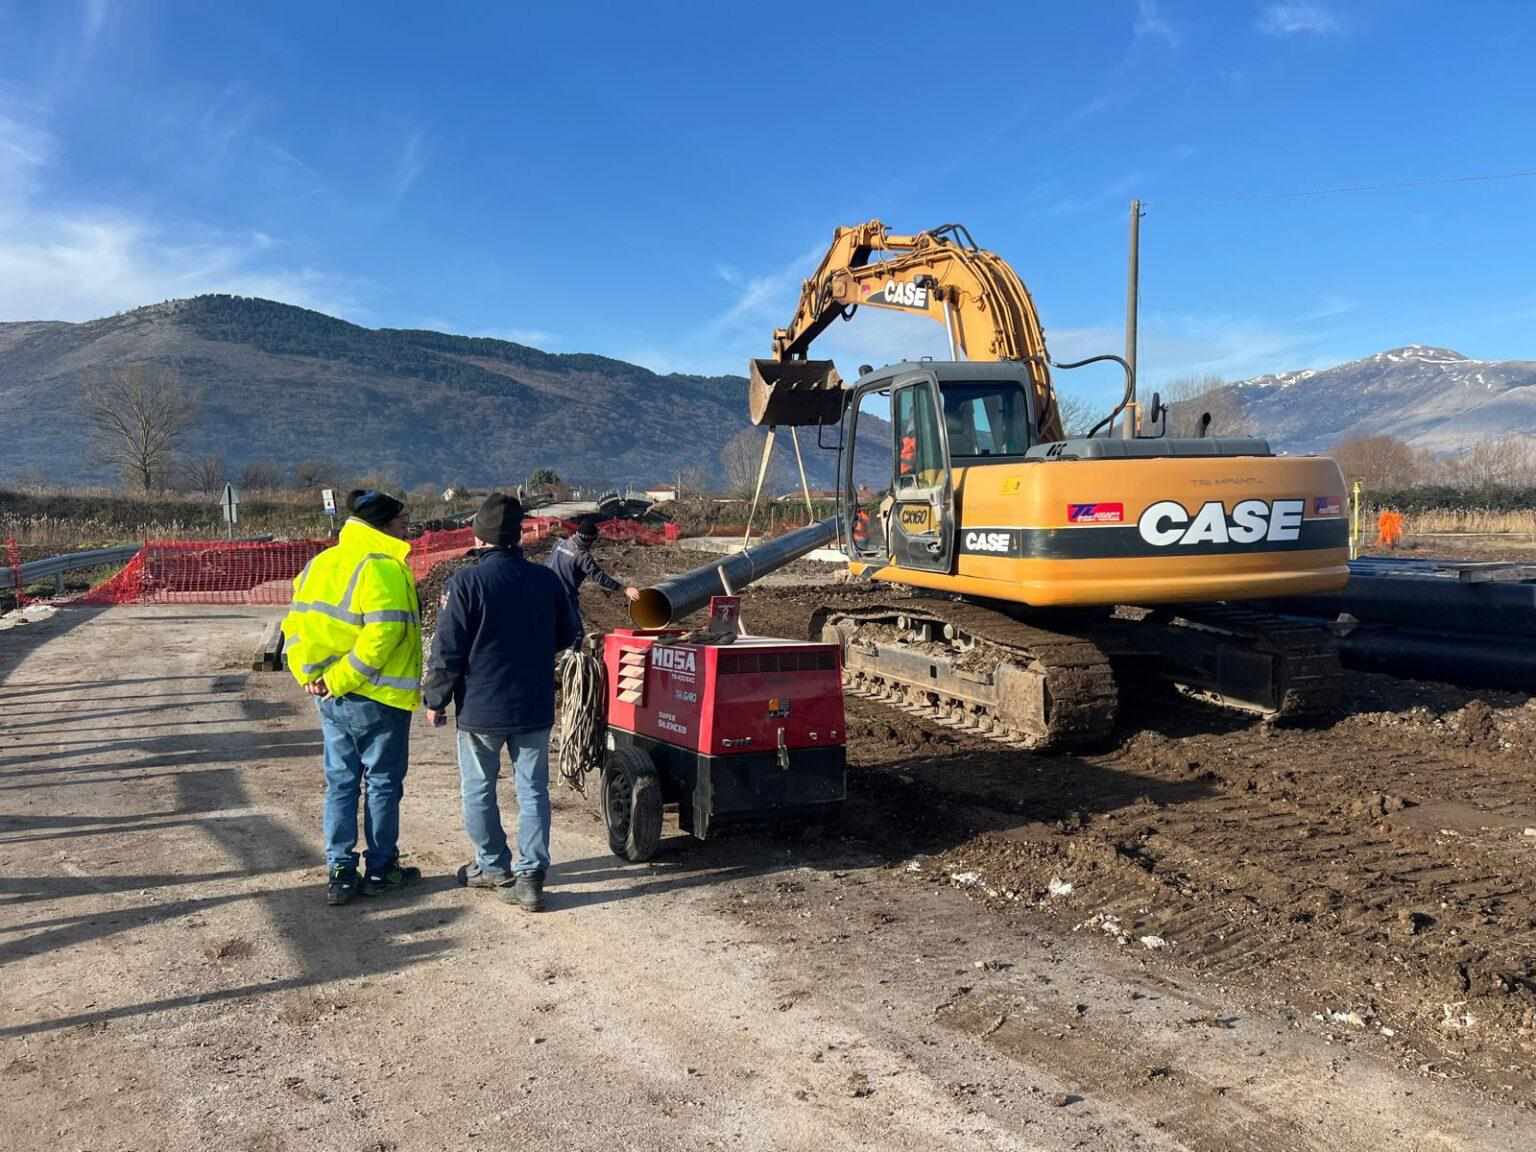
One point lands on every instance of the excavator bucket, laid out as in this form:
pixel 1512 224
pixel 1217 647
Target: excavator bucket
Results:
pixel 794 392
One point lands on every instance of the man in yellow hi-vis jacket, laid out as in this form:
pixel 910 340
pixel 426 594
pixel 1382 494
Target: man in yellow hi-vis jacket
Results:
pixel 352 638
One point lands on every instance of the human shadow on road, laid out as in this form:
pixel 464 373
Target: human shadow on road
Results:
pixel 67 720
pixel 370 938
pixel 10 690
pixel 16 644
pixel 192 748
pixel 323 943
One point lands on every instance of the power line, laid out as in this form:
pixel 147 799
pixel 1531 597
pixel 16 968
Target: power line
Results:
pixel 1395 186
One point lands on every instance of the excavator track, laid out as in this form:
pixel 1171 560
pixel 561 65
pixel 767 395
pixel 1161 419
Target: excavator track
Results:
pixel 1239 657
pixel 973 668
pixel 970 667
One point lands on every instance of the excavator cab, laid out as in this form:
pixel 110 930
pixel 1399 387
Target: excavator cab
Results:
pixel 908 427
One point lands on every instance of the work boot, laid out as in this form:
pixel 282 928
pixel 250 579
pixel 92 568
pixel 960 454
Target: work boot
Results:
pixel 391 878
pixel 527 892
pixel 343 885
pixel 473 876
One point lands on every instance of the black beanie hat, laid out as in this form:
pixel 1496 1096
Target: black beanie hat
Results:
pixel 500 521
pixel 373 507
pixel 586 528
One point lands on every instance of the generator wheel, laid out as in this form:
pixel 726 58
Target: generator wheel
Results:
pixel 631 804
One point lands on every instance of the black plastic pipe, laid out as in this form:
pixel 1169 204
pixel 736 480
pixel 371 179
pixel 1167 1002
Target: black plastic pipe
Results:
pixel 673 599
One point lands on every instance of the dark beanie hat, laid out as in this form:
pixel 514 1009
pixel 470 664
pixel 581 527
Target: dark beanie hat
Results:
pixel 500 521
pixel 586 528
pixel 373 507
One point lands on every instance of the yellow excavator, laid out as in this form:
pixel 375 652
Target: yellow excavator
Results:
pixel 1045 567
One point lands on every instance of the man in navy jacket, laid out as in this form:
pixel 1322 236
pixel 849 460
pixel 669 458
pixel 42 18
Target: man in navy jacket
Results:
pixel 573 562
pixel 493 655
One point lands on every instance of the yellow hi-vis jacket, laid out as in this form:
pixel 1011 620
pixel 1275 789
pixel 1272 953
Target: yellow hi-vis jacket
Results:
pixel 355 620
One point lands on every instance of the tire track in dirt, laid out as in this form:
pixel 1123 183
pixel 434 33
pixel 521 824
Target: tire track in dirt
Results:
pixel 1372 866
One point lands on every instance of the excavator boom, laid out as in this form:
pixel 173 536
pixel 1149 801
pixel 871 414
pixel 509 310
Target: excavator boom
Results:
pixel 940 274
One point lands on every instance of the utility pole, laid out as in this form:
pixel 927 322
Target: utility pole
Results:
pixel 1132 284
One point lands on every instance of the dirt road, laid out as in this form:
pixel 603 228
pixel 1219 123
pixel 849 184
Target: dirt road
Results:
pixel 172 978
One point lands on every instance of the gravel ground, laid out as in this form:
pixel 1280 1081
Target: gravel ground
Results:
pixel 1217 935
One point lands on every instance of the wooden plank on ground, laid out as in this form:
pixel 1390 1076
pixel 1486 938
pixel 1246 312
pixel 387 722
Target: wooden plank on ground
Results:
pixel 269 657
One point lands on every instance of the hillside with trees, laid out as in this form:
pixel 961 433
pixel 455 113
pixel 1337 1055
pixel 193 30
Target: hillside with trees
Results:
pixel 275 390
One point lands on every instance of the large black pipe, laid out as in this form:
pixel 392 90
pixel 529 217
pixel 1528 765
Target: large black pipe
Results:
pixel 673 599
pixel 1473 661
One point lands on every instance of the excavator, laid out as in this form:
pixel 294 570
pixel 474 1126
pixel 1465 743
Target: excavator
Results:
pixel 1033 571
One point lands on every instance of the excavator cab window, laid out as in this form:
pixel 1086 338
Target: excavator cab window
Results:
pixel 986 418
pixel 871 491
pixel 919 452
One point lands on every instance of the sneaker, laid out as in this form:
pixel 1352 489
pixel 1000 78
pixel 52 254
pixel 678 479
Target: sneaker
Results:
pixel 390 879
pixel 473 876
pixel 343 885
pixel 527 892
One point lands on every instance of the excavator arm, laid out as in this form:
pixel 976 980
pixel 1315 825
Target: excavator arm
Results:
pixel 940 274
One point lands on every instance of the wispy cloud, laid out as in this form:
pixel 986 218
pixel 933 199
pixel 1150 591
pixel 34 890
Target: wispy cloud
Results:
pixel 770 295
pixel 63 262
pixel 1330 305
pixel 1298 20
pixel 533 337
pixel 93 19
pixel 1152 25
pixel 742 328
pixel 1117 193
pixel 410 164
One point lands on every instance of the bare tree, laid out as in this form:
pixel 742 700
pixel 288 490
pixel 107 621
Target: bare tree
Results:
pixel 139 413
pixel 1076 414
pixel 316 474
pixel 205 474
pixel 693 481
pixel 1508 462
pixel 261 476
pixel 1190 397
pixel 740 459
pixel 1381 461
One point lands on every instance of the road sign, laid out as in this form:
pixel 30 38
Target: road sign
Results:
pixel 231 505
pixel 328 498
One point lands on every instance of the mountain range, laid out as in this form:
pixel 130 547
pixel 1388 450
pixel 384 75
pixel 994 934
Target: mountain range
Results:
pixel 1432 398
pixel 286 384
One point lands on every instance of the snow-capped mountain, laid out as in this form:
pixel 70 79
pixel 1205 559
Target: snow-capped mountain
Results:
pixel 1433 398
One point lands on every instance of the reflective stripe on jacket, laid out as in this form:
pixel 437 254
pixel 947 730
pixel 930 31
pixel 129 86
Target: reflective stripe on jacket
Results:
pixel 355 620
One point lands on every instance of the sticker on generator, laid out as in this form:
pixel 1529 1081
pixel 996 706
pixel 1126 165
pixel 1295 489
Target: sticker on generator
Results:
pixel 1099 513
pixel 681 662
pixel 1325 506
pixel 778 708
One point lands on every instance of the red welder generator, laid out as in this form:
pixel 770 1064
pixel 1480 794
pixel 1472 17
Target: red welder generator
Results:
pixel 727 727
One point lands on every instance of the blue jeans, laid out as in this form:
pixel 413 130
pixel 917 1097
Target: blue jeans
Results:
pixel 366 743
pixel 479 767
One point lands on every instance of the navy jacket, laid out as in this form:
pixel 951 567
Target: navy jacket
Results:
pixel 573 562
pixel 494 651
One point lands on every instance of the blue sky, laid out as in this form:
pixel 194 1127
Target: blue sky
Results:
pixel 652 181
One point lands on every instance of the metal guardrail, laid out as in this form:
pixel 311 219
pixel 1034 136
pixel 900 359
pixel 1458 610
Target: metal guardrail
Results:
pixel 55 566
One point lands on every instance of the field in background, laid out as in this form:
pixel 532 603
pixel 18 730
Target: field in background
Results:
pixel 45 522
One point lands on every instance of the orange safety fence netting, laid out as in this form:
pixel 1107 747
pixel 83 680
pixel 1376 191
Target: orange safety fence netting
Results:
pixel 209 572
pixel 262 571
